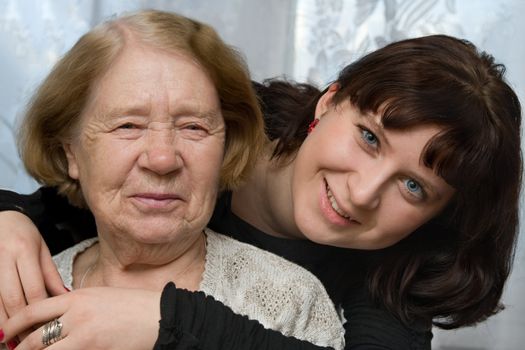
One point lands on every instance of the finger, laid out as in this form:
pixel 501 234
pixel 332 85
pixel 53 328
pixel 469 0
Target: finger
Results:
pixel 11 290
pixel 35 340
pixel 52 279
pixel 69 342
pixel 31 277
pixel 3 314
pixel 3 317
pixel 34 315
pixel 66 343
pixel 32 281
pixel 12 344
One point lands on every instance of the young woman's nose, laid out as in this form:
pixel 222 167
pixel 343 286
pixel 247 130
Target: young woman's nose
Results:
pixel 365 189
pixel 161 153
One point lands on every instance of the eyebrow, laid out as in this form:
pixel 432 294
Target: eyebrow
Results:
pixel 194 109
pixel 181 108
pixel 138 111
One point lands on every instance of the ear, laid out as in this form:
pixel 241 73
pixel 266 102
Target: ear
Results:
pixel 325 102
pixel 72 164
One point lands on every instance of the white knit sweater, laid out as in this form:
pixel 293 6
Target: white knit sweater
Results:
pixel 263 286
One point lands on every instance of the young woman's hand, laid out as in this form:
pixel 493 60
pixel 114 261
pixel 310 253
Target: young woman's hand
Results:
pixel 92 318
pixel 28 273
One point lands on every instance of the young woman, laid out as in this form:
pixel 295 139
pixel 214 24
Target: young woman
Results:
pixel 387 185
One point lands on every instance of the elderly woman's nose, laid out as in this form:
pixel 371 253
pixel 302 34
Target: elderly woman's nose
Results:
pixel 161 153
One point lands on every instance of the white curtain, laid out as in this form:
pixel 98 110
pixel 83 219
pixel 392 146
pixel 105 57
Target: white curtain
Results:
pixel 307 40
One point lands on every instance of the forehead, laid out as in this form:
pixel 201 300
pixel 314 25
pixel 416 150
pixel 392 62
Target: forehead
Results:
pixel 146 76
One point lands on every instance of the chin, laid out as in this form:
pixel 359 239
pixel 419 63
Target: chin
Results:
pixel 155 234
pixel 323 236
pixel 152 237
pixel 323 240
pixel 310 233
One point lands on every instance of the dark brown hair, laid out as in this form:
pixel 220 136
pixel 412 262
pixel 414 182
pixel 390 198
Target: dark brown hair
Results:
pixel 58 104
pixel 452 269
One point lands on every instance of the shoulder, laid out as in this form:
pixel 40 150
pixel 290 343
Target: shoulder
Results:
pixel 371 325
pixel 64 260
pixel 244 256
pixel 280 294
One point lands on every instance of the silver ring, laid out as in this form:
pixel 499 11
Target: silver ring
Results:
pixel 52 332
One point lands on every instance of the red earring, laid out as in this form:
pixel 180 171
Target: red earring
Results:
pixel 312 125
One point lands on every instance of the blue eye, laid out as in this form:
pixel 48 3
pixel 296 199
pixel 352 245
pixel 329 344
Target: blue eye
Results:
pixel 414 188
pixel 369 137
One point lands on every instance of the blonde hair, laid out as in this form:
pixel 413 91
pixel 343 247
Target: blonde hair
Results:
pixel 58 104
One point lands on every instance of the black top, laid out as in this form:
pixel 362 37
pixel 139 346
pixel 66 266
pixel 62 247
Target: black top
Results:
pixel 193 321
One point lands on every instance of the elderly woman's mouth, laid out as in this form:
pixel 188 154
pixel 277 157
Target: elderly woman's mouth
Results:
pixel 166 201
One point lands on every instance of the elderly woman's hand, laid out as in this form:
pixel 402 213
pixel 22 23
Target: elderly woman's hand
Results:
pixel 92 318
pixel 28 272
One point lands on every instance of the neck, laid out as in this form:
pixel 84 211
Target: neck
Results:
pixel 104 265
pixel 265 200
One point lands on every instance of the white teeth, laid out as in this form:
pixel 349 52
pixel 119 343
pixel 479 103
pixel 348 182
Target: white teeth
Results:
pixel 334 204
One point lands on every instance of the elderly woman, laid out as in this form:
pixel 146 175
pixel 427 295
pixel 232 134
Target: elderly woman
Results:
pixel 142 122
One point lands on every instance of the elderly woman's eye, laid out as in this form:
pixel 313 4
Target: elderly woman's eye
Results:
pixel 194 131
pixel 127 126
pixel 194 127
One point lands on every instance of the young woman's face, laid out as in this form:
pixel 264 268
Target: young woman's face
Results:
pixel 357 185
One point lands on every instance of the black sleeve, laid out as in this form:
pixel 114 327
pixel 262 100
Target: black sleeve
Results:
pixel 61 224
pixel 371 327
pixel 192 320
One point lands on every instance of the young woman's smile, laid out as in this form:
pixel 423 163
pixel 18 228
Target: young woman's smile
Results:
pixel 334 211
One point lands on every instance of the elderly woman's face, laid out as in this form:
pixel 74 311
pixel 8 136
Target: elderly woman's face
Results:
pixel 149 147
